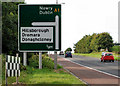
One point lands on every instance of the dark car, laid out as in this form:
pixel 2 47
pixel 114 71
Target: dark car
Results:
pixel 107 57
pixel 61 53
pixel 68 54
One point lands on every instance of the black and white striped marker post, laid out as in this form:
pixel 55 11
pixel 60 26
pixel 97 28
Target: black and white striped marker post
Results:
pixel 12 67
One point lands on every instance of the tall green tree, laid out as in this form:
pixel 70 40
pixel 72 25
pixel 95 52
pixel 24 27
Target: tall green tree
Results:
pixel 105 41
pixel 95 42
pixel 10 27
pixel 83 45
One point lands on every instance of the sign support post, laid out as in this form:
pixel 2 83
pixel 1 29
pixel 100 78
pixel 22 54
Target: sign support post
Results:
pixel 6 75
pixel 55 59
pixel 40 60
pixel 55 52
pixel 17 74
pixel 17 79
pixel 25 58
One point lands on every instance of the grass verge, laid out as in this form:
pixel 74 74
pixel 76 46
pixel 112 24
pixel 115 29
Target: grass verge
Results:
pixel 96 55
pixel 34 76
pixel 45 76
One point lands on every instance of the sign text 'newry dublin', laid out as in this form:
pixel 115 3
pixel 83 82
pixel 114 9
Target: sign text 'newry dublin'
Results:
pixel 39 27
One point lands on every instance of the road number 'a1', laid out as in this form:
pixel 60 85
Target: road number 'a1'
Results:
pixel 56 10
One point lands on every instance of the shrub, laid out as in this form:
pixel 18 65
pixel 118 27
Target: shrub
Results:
pixel 22 67
pixel 34 61
pixel 116 49
pixel 47 62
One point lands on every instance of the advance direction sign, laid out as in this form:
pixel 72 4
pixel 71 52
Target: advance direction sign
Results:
pixel 39 28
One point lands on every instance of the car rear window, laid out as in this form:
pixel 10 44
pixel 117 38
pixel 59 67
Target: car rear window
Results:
pixel 68 52
pixel 108 54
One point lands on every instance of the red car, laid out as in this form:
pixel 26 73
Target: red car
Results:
pixel 107 57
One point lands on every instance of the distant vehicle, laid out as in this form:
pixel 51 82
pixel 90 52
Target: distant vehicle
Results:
pixel 68 54
pixel 107 57
pixel 61 53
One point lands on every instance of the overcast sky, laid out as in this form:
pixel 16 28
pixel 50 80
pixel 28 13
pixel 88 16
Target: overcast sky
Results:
pixel 84 17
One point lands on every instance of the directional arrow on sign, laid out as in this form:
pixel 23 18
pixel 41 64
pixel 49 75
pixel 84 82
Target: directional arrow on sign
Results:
pixel 56 24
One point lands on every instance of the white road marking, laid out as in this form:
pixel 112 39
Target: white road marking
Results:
pixel 93 69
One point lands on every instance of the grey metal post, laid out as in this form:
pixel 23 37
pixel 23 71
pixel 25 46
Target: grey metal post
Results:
pixel 55 59
pixel 17 74
pixel 40 60
pixel 6 75
pixel 119 36
pixel 25 58
pixel 55 52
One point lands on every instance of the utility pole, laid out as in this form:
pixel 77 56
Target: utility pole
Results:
pixel 56 1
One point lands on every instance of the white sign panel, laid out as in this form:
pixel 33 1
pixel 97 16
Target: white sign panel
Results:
pixel 36 34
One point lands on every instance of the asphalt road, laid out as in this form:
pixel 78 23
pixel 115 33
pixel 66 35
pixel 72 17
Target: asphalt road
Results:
pixel 107 67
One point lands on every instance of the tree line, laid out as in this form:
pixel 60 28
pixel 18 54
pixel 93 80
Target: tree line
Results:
pixel 94 43
pixel 10 27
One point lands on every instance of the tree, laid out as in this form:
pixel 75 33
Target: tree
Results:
pixel 92 43
pixel 83 45
pixel 68 49
pixel 105 41
pixel 10 27
pixel 115 49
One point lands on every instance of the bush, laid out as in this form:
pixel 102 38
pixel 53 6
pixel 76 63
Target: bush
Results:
pixel 34 61
pixel 22 67
pixel 47 62
pixel 59 67
pixel 116 49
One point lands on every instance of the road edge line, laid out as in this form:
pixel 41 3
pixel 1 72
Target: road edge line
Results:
pixel 94 69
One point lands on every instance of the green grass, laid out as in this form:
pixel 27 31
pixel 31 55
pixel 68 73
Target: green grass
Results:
pixel 45 76
pixel 96 55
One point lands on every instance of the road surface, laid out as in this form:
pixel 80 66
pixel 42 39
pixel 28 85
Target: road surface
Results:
pixel 107 67
pixel 91 70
